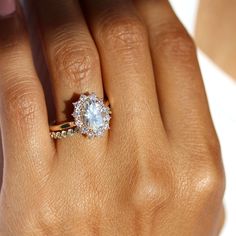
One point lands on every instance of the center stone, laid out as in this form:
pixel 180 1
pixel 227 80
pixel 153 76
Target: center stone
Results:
pixel 93 116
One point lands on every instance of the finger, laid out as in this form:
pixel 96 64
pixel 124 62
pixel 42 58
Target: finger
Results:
pixel 221 220
pixel 23 115
pixel 181 93
pixel 128 77
pixel 1 161
pixel 7 7
pixel 72 57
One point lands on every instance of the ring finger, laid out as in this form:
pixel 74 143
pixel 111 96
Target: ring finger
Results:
pixel 70 52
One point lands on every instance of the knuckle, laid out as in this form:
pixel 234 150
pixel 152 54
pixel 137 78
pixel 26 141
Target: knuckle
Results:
pixel 21 101
pixel 74 63
pixel 209 182
pixel 204 179
pixel 150 194
pixel 174 43
pixel 122 33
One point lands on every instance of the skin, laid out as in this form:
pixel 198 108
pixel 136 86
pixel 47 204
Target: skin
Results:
pixel 215 32
pixel 158 170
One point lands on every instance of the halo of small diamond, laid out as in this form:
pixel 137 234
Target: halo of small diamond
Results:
pixel 91 115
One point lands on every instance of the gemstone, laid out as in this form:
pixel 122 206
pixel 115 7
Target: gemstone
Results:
pixel 63 134
pixel 70 132
pixel 58 135
pixel 91 115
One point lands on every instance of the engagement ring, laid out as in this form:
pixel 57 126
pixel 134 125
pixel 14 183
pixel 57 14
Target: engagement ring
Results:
pixel 91 118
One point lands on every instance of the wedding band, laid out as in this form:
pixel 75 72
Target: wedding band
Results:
pixel 91 118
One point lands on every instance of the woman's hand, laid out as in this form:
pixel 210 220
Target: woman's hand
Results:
pixel 216 35
pixel 157 171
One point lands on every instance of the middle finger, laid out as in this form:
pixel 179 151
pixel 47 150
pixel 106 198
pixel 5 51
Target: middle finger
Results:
pixel 128 76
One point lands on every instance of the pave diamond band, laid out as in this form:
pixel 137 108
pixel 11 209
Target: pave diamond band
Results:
pixel 63 133
pixel 91 118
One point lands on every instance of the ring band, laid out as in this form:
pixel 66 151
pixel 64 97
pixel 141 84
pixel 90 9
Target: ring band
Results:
pixel 91 118
pixel 63 130
pixel 63 126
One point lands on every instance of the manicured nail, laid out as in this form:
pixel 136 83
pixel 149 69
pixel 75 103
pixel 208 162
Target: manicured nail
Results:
pixel 7 7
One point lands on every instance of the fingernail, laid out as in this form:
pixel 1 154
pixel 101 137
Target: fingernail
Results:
pixel 7 7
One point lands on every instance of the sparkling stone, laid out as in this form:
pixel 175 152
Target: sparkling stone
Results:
pixel 83 97
pixel 93 97
pixel 70 132
pixel 90 135
pixel 63 134
pixel 79 123
pixel 93 117
pixel 84 130
pixel 58 135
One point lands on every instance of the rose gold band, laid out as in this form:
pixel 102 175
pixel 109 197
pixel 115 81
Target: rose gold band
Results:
pixel 62 126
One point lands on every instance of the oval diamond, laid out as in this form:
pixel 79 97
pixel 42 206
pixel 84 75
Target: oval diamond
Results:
pixel 91 115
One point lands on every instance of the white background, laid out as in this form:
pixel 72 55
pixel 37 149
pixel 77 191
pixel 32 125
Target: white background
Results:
pixel 221 91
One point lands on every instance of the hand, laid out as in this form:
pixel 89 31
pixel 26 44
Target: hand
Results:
pixel 157 171
pixel 216 36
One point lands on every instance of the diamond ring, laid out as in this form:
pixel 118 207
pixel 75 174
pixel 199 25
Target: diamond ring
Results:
pixel 91 118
